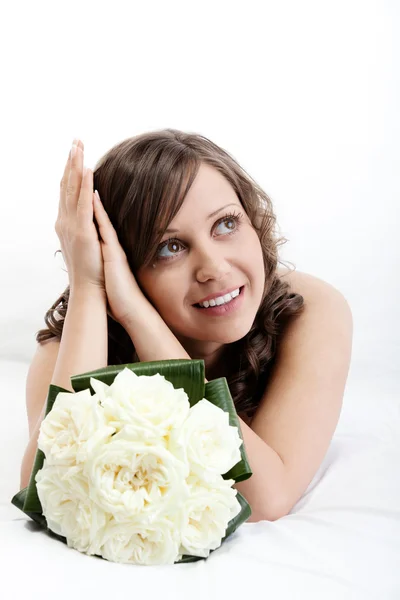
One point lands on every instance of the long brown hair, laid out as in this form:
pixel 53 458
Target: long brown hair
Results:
pixel 142 183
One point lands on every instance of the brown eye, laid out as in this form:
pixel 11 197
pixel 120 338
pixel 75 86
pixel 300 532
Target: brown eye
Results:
pixel 231 218
pixel 172 244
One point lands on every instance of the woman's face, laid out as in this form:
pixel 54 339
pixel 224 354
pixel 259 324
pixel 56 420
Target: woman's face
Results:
pixel 205 257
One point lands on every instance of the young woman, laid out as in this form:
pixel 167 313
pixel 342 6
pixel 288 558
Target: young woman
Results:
pixel 211 290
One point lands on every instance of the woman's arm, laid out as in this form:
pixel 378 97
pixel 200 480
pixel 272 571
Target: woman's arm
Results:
pixel 83 348
pixel 153 340
pixel 84 339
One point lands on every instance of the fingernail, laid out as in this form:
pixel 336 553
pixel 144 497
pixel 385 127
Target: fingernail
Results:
pixel 97 194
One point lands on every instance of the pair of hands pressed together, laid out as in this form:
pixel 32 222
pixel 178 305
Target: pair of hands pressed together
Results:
pixel 101 264
pixel 93 263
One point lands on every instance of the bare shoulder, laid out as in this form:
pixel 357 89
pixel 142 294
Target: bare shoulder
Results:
pixel 307 285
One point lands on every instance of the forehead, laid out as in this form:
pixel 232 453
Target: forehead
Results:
pixel 208 181
pixel 209 192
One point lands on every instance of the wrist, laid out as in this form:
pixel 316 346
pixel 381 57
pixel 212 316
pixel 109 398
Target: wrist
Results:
pixel 88 290
pixel 151 336
pixel 141 311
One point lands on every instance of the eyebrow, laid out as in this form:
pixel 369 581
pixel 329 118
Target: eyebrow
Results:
pixel 209 217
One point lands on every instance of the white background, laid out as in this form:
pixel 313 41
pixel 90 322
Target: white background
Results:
pixel 304 95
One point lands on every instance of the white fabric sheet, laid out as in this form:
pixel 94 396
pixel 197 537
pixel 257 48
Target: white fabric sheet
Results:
pixel 341 540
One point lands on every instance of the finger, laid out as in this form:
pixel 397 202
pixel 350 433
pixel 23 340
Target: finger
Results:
pixel 62 205
pixel 84 208
pixel 63 188
pixel 106 228
pixel 74 181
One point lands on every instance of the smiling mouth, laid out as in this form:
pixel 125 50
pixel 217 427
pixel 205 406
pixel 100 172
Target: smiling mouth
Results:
pixel 198 305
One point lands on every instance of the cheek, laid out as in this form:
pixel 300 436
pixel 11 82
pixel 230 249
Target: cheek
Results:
pixel 166 295
pixel 255 262
pixel 157 286
pixel 253 254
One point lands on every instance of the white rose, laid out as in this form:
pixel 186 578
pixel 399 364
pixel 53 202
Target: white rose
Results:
pixel 149 404
pixel 208 512
pixel 72 428
pixel 142 543
pixel 212 445
pixel 130 477
pixel 64 495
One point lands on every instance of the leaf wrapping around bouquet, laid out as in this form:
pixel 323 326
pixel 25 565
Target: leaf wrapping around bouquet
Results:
pixel 217 392
pixel 32 503
pixel 182 373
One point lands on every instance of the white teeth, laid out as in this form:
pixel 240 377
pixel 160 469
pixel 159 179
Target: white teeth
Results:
pixel 221 299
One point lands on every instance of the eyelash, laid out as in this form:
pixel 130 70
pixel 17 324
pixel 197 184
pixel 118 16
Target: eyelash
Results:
pixel 232 215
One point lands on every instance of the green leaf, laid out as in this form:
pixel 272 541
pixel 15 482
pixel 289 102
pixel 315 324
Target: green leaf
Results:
pixel 19 500
pixel 240 518
pixel 182 373
pixel 32 503
pixel 217 392
pixel 232 526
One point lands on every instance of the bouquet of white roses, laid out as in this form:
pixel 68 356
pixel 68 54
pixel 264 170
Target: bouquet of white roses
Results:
pixel 141 471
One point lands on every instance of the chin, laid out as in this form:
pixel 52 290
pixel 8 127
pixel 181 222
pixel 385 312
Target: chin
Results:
pixel 224 333
pixel 235 336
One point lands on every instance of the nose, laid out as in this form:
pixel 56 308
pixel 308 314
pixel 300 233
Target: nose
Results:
pixel 211 264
